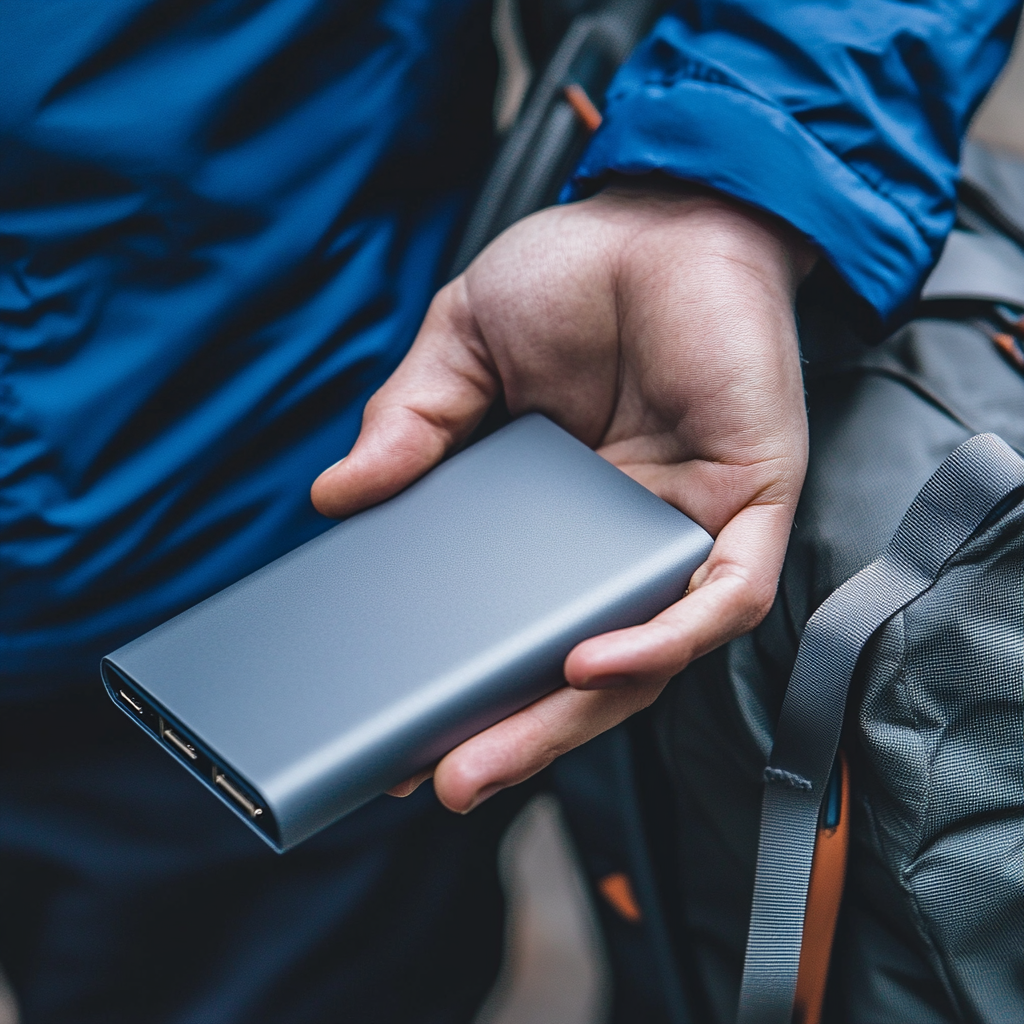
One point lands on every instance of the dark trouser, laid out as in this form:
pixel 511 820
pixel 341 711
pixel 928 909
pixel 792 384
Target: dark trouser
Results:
pixel 881 422
pixel 129 894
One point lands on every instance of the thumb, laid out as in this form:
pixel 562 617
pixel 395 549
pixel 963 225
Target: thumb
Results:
pixel 434 399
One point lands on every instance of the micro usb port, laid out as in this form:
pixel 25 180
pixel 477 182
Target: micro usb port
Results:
pixel 221 780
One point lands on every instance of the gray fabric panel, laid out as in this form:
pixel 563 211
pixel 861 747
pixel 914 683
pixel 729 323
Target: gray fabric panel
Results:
pixel 941 722
pixel 1000 177
pixel 977 267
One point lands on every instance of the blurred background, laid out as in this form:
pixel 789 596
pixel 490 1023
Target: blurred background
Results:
pixel 555 970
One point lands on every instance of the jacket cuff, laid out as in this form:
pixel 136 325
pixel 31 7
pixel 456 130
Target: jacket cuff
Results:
pixel 719 135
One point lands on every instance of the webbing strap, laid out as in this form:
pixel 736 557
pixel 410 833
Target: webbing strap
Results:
pixel 962 492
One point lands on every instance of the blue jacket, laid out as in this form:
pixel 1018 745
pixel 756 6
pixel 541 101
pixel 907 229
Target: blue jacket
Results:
pixel 221 222
pixel 844 119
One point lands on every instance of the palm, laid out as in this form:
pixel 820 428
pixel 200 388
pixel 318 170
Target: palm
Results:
pixel 658 359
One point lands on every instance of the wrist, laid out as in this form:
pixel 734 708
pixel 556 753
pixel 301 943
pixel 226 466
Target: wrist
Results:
pixel 717 224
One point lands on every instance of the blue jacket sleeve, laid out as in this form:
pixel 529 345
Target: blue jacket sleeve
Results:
pixel 843 119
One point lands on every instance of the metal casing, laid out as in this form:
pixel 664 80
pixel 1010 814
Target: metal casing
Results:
pixel 357 659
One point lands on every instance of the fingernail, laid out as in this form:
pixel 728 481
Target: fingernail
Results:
pixel 485 794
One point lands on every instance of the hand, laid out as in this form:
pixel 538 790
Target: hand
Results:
pixel 656 324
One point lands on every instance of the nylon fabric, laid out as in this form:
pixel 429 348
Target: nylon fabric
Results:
pixel 212 252
pixel 977 267
pixel 864 158
pixel 965 489
pixel 940 716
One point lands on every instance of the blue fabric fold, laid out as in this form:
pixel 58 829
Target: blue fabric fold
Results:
pixel 221 224
pixel 845 121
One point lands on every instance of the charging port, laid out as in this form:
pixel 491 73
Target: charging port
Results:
pixel 179 744
pixel 135 705
pixel 221 780
pixel 137 708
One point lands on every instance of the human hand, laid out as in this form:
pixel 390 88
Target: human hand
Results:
pixel 656 325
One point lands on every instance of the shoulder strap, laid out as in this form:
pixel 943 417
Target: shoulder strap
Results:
pixel 553 128
pixel 961 494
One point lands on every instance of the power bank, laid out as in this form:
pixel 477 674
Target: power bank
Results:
pixel 313 685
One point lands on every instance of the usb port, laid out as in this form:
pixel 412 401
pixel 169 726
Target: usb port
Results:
pixel 135 705
pixel 220 779
pixel 139 710
pixel 179 744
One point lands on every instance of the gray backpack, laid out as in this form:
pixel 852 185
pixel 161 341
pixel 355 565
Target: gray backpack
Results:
pixel 928 642
pixel 933 633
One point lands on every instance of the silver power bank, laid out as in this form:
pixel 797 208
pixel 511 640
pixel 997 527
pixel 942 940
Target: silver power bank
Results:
pixel 311 686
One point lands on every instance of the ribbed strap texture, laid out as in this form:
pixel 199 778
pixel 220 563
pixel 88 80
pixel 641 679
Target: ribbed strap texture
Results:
pixel 961 494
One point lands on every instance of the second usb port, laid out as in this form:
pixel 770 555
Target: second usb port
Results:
pixel 182 746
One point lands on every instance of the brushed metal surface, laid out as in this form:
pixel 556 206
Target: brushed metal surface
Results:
pixel 367 653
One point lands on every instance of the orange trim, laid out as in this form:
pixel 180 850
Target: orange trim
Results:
pixel 1008 346
pixel 617 889
pixel 584 106
pixel 828 873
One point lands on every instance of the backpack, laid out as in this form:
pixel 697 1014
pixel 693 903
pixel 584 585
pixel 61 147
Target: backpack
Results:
pixel 930 639
pixel 931 634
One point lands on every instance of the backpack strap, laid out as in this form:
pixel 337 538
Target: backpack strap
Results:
pixel 554 126
pixel 965 490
